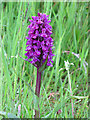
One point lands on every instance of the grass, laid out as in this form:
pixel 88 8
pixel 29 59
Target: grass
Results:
pixel 18 77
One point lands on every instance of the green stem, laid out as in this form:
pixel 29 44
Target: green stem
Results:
pixel 71 93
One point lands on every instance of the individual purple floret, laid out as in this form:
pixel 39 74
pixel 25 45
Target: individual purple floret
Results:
pixel 39 41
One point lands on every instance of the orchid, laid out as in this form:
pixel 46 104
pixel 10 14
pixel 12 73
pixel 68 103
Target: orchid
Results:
pixel 39 47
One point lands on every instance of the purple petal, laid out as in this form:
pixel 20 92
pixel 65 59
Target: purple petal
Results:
pixel 43 35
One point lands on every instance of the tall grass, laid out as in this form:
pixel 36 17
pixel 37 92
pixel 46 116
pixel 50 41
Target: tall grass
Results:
pixel 18 77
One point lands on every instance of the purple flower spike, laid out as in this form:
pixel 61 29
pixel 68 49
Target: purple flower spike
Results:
pixel 39 41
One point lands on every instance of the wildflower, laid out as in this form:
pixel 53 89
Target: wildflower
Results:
pixel 39 48
pixel 39 41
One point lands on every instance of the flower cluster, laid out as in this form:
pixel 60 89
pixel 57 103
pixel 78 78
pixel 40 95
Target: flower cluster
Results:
pixel 39 43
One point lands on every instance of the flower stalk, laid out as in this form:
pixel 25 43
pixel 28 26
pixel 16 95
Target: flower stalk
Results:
pixel 38 83
pixel 37 91
pixel 67 66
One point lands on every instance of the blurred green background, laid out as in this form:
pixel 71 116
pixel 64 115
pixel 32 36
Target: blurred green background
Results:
pixel 69 21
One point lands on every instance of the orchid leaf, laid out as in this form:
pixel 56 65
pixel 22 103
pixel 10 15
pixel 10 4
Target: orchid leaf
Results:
pixel 43 67
pixel 36 102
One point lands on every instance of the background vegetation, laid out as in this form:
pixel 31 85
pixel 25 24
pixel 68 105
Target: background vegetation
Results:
pixel 18 77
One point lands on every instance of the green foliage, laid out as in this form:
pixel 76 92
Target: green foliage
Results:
pixel 18 77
